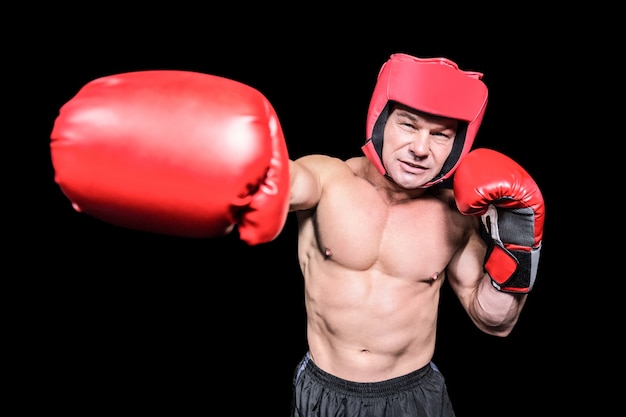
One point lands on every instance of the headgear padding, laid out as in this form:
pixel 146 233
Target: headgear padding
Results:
pixel 433 85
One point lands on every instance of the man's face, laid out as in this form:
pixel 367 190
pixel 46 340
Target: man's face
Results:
pixel 416 145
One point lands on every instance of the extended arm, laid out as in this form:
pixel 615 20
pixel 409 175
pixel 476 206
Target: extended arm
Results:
pixel 306 179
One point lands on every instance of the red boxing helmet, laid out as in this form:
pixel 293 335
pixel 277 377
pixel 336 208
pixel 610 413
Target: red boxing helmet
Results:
pixel 432 85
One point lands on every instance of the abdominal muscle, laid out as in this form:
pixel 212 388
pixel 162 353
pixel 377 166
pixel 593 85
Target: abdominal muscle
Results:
pixel 366 325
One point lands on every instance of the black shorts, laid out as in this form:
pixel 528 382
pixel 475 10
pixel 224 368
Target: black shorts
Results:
pixel 316 393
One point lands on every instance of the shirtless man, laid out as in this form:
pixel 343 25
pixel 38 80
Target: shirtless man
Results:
pixel 379 234
pixel 377 239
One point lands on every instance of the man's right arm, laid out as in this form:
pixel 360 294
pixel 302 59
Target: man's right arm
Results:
pixel 305 187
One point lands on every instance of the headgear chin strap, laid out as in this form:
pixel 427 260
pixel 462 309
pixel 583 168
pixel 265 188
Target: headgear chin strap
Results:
pixel 431 85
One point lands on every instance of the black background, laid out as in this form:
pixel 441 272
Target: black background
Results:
pixel 120 320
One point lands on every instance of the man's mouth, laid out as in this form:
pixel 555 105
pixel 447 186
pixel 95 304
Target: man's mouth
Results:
pixel 413 166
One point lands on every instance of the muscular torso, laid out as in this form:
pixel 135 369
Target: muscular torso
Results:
pixel 373 268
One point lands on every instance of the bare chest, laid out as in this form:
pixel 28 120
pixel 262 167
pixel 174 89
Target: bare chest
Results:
pixel 411 240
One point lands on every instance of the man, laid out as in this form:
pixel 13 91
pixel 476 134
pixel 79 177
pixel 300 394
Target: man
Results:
pixel 377 239
pixel 379 234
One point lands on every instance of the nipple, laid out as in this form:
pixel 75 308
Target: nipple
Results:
pixel 328 253
pixel 434 276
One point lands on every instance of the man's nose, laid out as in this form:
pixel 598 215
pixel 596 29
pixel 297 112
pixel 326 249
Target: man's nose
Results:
pixel 420 146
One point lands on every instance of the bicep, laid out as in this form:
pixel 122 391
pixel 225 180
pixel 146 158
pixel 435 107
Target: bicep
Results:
pixel 465 271
pixel 304 183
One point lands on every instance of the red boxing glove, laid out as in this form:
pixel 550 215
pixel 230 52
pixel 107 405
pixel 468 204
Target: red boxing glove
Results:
pixel 492 185
pixel 174 152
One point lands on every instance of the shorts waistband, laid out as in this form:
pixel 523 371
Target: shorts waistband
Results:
pixel 369 389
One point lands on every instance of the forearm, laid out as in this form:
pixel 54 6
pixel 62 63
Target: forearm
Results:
pixel 495 312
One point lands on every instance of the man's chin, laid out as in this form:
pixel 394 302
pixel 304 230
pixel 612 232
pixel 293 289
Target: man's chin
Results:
pixel 410 181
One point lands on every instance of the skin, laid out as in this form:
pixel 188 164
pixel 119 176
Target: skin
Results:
pixel 375 251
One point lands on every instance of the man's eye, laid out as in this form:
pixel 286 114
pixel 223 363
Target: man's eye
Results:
pixel 442 135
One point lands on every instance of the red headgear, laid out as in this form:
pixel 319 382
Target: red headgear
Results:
pixel 432 85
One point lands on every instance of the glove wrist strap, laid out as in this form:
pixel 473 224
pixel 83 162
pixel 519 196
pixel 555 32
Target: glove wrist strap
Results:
pixel 512 267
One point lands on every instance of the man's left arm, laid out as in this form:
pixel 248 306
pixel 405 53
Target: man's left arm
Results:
pixel 511 208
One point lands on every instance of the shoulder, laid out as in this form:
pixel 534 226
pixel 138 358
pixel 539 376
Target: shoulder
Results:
pixel 313 175
pixel 318 159
pixel 326 165
pixel 445 195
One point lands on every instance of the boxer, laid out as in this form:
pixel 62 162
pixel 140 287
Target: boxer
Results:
pixel 197 155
